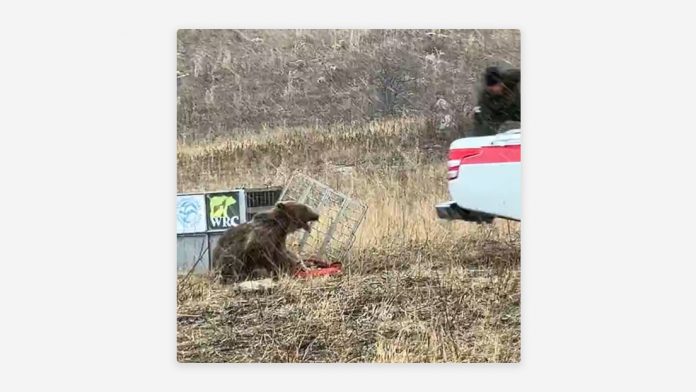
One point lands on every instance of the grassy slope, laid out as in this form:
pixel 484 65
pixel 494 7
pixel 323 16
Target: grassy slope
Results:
pixel 247 79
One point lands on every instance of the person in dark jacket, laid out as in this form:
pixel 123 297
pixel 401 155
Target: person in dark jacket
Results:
pixel 498 101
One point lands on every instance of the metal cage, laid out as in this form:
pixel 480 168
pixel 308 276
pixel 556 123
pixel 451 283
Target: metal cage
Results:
pixel 261 199
pixel 340 217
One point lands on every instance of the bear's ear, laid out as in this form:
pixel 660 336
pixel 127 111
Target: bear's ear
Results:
pixel 280 205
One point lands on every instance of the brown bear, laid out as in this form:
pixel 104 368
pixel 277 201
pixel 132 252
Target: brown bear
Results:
pixel 256 249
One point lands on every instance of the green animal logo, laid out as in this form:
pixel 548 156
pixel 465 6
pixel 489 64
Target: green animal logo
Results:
pixel 219 205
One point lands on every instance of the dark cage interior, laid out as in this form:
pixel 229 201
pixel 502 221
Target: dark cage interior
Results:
pixel 261 199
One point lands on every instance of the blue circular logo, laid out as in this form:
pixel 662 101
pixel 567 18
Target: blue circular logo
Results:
pixel 189 212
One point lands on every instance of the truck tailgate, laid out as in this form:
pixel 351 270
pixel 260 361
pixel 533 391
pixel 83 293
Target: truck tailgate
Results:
pixel 488 174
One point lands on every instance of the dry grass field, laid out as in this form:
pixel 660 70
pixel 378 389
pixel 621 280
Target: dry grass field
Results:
pixel 414 288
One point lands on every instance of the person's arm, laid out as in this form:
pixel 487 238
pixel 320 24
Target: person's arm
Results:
pixel 483 124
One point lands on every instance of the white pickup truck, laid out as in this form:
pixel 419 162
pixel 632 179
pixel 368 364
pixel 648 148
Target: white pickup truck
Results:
pixel 484 175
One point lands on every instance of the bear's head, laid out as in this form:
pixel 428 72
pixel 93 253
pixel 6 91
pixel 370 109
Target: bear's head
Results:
pixel 298 215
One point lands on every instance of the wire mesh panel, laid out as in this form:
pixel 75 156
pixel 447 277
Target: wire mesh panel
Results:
pixel 340 217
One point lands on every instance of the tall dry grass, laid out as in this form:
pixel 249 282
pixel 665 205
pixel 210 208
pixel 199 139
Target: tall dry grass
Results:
pixel 415 289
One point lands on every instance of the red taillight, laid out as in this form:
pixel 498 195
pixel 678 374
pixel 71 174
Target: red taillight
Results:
pixel 454 160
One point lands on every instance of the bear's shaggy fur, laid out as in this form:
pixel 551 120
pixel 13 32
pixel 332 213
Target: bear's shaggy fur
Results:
pixel 257 249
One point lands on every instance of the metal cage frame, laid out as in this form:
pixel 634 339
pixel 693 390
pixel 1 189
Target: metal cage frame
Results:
pixel 333 236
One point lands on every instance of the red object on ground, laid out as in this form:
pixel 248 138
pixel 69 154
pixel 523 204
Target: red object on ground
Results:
pixel 322 269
